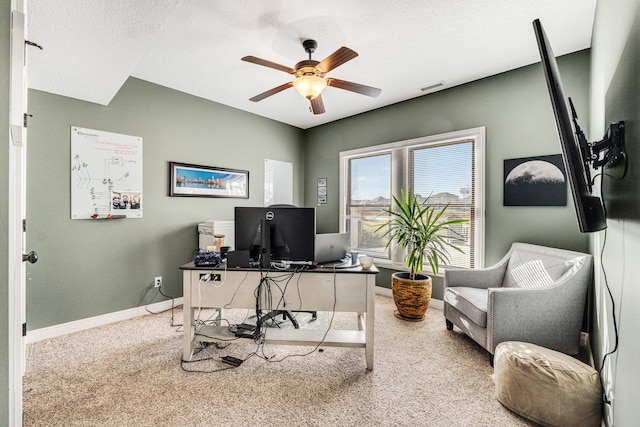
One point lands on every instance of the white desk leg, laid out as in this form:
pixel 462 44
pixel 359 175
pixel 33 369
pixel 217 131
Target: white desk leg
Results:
pixel 187 322
pixel 370 321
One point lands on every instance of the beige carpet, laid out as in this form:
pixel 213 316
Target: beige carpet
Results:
pixel 129 374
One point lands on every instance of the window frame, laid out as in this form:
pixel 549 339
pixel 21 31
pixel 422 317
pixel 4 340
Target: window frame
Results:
pixel 399 179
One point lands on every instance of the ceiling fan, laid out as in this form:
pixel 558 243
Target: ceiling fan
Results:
pixel 310 76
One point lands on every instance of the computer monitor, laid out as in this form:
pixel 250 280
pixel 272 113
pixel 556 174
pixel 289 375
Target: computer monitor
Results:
pixel 276 233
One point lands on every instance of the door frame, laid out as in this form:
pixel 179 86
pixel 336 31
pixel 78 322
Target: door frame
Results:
pixel 17 211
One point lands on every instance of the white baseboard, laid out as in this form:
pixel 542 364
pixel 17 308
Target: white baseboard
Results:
pixel 105 319
pixel 383 291
pixel 92 322
pixel 435 303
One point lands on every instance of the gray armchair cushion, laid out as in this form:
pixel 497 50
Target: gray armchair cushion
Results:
pixel 470 301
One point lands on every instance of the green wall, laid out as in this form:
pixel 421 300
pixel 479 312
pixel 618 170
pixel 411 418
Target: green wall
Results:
pixel 615 84
pixel 516 111
pixel 5 34
pixel 86 267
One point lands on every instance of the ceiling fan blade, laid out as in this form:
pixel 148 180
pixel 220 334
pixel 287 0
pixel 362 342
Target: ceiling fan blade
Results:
pixel 336 59
pixel 354 87
pixel 270 92
pixel 317 105
pixel 269 64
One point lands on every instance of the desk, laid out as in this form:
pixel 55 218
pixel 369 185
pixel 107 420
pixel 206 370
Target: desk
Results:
pixel 313 290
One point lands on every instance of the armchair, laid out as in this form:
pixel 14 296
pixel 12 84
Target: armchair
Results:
pixel 534 294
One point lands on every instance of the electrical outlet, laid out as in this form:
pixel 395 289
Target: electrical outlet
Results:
pixel 157 282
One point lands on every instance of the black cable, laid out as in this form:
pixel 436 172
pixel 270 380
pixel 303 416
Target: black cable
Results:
pixel 173 306
pixel 286 278
pixel 246 274
pixel 146 307
pixel 324 337
pixel 198 333
pixel 616 178
pixel 257 292
pixel 606 282
pixel 200 371
pixel 264 298
pixel 298 290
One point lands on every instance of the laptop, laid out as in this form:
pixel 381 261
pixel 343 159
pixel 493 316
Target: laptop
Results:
pixel 331 248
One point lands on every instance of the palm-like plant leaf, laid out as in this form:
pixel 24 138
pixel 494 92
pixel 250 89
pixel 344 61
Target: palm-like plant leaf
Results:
pixel 418 229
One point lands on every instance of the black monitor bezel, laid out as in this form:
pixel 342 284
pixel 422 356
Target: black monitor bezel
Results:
pixel 295 225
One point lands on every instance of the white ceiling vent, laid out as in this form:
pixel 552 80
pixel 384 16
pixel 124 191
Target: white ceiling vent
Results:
pixel 433 87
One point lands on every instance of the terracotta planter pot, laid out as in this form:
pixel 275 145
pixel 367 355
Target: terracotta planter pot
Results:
pixel 411 297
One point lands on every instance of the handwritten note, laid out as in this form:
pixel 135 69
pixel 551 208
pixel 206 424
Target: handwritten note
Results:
pixel 105 166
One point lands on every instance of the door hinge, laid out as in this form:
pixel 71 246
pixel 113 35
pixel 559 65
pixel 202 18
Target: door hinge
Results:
pixel 24 225
pixel 24 121
pixel 24 329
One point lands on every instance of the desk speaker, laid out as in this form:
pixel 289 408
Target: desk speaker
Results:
pixel 238 259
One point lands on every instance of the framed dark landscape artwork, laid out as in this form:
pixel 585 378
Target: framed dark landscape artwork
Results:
pixel 535 181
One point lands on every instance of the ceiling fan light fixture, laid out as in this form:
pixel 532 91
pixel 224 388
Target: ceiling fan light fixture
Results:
pixel 310 74
pixel 309 86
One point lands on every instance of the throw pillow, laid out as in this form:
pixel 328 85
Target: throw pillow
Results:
pixel 531 274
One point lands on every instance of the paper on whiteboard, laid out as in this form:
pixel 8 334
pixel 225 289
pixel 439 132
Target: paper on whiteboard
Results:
pixel 105 166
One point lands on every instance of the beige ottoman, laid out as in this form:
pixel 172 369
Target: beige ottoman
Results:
pixel 546 386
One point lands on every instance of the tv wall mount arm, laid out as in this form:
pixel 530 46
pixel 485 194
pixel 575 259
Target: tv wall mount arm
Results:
pixel 603 153
pixel 612 145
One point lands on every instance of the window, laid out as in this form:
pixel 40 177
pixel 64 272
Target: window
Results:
pixel 369 194
pixel 444 168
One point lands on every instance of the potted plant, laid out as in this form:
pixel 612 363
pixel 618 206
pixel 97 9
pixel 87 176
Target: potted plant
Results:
pixel 419 231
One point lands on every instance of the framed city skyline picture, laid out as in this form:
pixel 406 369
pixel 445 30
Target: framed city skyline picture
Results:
pixel 207 181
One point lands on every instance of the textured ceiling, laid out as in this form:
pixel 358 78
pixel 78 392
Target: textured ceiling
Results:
pixel 91 47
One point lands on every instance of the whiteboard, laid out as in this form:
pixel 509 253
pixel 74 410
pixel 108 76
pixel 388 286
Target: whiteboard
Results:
pixel 106 175
pixel 278 182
